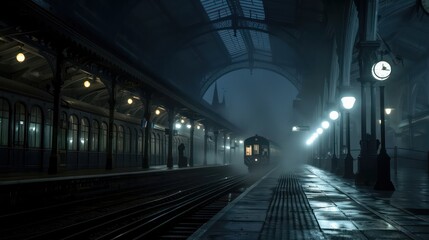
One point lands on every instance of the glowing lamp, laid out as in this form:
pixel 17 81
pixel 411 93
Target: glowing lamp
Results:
pixel 20 57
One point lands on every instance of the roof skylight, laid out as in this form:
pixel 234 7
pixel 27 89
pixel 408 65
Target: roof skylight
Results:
pixel 235 41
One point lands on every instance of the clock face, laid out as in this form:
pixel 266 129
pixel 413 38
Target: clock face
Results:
pixel 381 70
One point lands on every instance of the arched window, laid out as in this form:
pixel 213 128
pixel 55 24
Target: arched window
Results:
pixel 62 138
pixel 35 128
pixel 94 136
pixel 114 143
pixel 120 139
pixel 139 142
pixel 160 148
pixel 4 122
pixel 84 134
pixel 103 137
pixel 127 140
pixel 153 146
pixel 47 141
pixel 72 136
pixel 19 124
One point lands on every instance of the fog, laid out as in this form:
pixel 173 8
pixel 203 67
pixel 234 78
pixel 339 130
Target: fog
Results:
pixel 261 103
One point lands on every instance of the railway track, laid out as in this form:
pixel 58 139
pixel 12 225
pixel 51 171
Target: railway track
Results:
pixel 32 223
pixel 186 226
pixel 65 220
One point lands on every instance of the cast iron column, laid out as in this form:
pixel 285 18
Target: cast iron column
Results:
pixel 224 148
pixel 112 103
pixel 341 152
pixel 205 144
pixel 147 130
pixel 191 147
pixel 348 161
pixel 216 133
pixel 57 83
pixel 171 115
pixel 334 160
pixel 368 44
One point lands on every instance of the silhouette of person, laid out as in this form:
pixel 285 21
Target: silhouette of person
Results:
pixel 182 160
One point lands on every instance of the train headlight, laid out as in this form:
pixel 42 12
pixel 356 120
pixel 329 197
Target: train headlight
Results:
pixel 256 159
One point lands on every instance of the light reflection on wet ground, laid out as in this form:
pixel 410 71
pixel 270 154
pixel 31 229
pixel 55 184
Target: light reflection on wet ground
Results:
pixel 315 204
pixel 376 214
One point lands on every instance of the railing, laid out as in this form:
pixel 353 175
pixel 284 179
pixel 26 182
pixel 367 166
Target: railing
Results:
pixel 417 156
pixel 414 158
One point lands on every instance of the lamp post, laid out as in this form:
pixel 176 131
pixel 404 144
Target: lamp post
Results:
pixel 348 102
pixel 381 71
pixel 333 115
pixel 325 126
pixel 319 132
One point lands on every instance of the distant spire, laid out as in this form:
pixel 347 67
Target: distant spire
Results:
pixel 215 101
pixel 216 104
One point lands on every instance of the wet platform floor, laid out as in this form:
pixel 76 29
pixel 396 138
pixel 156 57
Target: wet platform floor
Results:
pixel 310 203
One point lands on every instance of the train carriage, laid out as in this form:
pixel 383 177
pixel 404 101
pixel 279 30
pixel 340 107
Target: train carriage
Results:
pixel 256 152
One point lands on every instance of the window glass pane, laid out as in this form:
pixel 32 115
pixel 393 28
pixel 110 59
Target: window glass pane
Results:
pixel 255 149
pixel 248 150
pixel 264 150
pixel 120 139
pixel 84 134
pixel 140 143
pixel 48 129
pixel 4 122
pixel 103 137
pixel 72 134
pixel 114 139
pixel 35 128
pixel 94 136
pixel 19 124
pixel 152 149
pixel 127 140
pixel 62 137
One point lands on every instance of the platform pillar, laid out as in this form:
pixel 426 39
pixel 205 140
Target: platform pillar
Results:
pixel 147 129
pixel 170 132
pixel 206 136
pixel 57 66
pixel 191 143
pixel 216 134
pixel 112 104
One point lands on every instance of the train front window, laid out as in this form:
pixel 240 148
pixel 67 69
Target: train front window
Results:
pixel 248 150
pixel 255 149
pixel 264 150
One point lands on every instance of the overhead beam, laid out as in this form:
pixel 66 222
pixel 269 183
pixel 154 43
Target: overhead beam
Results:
pixel 243 65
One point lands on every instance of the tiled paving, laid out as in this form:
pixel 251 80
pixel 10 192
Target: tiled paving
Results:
pixel 315 204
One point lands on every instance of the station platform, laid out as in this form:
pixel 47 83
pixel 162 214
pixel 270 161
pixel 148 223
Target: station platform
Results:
pixel 310 203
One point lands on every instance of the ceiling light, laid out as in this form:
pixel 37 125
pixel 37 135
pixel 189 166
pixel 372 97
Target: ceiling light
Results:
pixel 20 57
pixel 388 110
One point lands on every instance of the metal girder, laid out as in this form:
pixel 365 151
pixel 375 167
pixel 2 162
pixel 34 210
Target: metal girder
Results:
pixel 286 33
pixel 242 65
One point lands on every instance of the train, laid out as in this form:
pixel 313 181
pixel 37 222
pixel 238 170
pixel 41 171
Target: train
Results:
pixel 259 152
pixel 26 136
